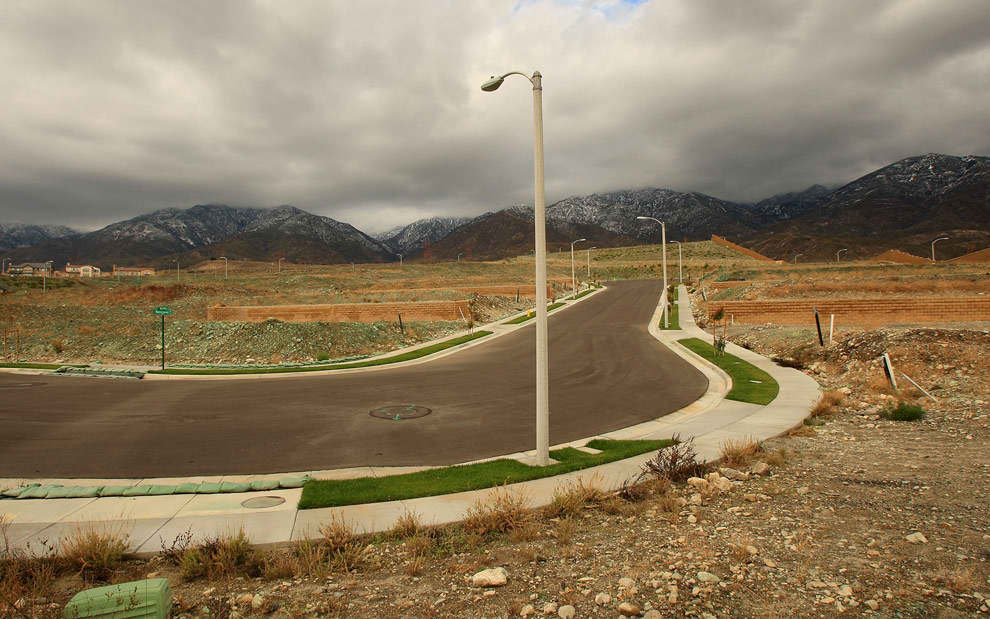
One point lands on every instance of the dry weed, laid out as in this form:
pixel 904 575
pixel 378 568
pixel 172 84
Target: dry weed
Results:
pixel 96 549
pixel 739 452
pixel 414 567
pixel 564 531
pixel 526 533
pixel 828 404
pixel 779 457
pixel 674 463
pixel 222 556
pixel 570 499
pixel 960 580
pixel 407 525
pixel 501 511
pixel 419 545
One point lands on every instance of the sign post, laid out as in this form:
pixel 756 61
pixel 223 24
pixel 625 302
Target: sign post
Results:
pixel 163 311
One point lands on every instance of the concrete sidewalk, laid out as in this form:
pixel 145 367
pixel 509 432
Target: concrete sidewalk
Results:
pixel 156 520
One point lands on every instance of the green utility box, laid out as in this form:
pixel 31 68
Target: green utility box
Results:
pixel 142 598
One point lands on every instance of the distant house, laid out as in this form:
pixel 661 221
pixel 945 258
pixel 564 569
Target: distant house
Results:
pixel 36 269
pixel 82 270
pixel 132 271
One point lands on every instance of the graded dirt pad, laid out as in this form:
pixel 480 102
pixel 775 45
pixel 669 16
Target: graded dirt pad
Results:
pixel 976 257
pixel 900 257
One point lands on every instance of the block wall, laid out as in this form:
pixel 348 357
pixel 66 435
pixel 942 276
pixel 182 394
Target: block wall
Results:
pixel 801 311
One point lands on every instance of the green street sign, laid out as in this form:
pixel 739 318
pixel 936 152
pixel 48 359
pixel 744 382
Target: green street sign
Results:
pixel 163 310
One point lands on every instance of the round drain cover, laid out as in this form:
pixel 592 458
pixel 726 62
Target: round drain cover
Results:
pixel 400 412
pixel 262 501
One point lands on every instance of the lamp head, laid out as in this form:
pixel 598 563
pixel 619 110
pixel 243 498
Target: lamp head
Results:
pixel 580 240
pixel 492 84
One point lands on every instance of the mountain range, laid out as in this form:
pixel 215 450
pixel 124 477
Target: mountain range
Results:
pixel 901 206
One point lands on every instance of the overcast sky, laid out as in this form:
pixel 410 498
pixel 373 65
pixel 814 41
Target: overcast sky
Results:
pixel 370 111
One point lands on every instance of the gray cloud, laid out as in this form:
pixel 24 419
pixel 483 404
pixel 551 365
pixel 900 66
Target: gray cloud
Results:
pixel 371 113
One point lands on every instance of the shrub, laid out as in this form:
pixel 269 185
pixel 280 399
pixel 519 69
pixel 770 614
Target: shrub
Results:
pixel 222 557
pixel 96 551
pixel 323 357
pixel 674 463
pixel 407 525
pixel 904 412
pixel 828 404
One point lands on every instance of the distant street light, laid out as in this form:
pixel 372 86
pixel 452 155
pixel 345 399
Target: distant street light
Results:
pixel 663 247
pixel 941 238
pixel 176 270
pixel 839 252
pixel 796 257
pixel 3 265
pixel 573 279
pixel 280 265
pixel 539 224
pixel 589 261
pixel 224 258
pixel 680 267
pixel 400 259
pixel 458 257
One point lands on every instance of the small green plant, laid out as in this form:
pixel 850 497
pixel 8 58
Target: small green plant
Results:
pixel 904 412
pixel 323 357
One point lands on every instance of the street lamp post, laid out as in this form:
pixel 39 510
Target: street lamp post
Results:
pixel 280 265
pixel 796 257
pixel 3 265
pixel 589 261
pixel 680 263
pixel 458 257
pixel 224 258
pixel 663 246
pixel 176 270
pixel 400 259
pixel 941 238
pixel 839 252
pixel 574 279
pixel 540 223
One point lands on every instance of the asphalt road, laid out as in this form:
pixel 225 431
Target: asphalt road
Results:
pixel 606 372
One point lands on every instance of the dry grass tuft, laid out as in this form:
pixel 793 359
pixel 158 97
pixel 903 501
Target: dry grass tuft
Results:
pixel 407 525
pixel 415 566
pixel 564 531
pixel 674 463
pixel 96 550
pixel 221 557
pixel 739 452
pixel 501 511
pixel 828 404
pixel 419 545
pixel 570 499
pixel 345 551
pixel 960 580
pixel 779 457
pixel 526 533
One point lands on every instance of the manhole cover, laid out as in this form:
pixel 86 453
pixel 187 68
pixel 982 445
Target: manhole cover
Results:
pixel 19 385
pixel 262 501
pixel 400 412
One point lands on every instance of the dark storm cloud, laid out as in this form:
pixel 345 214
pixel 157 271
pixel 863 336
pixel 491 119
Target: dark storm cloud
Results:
pixel 370 112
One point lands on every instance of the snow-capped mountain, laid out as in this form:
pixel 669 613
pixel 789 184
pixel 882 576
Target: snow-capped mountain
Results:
pixel 26 235
pixel 410 238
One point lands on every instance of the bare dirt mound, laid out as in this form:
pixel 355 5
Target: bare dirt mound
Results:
pixel 900 257
pixel 979 257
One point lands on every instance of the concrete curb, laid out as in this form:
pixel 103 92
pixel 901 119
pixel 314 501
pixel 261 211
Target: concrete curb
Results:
pixel 152 521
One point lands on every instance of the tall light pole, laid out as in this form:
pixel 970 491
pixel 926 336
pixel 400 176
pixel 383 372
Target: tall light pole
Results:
pixel 176 270
pixel 3 265
pixel 941 238
pixel 280 265
pixel 796 257
pixel 663 245
pixel 839 252
pixel 458 257
pixel 540 229
pixel 589 261
pixel 574 279
pixel 224 258
pixel 400 259
pixel 680 267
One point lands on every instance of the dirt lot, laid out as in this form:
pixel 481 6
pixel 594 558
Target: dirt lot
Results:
pixel 110 321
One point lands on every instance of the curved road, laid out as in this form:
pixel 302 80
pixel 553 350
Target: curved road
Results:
pixel 606 372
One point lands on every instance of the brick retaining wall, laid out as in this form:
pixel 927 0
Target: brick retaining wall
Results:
pixel 913 309
pixel 344 312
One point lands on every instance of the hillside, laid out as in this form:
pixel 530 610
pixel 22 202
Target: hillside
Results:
pixel 26 235
pixel 510 232
pixel 211 230
pixel 411 238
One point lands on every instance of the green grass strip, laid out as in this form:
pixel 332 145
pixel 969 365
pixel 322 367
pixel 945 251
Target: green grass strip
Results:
pixel 406 356
pixel 521 319
pixel 675 321
pixel 749 383
pixel 39 366
pixel 462 478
